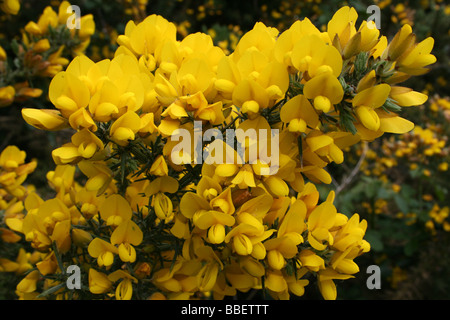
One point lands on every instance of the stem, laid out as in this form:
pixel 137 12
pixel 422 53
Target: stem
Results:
pixel 348 180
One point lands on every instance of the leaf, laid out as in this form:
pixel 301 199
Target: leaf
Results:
pixel 402 203
pixel 390 105
pixel 411 247
pixel 374 238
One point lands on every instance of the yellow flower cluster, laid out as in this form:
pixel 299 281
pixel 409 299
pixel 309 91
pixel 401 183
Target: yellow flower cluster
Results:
pixel 182 231
pixel 41 53
pixel 438 216
pixel 13 173
pixel 441 104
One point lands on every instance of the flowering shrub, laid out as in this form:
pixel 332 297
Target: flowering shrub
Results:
pixel 398 183
pixel 44 50
pixel 144 219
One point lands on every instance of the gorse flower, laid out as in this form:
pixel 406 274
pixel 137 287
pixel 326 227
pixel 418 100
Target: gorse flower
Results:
pixel 45 48
pixel 139 221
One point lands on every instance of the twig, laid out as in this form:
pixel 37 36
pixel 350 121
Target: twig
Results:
pixel 354 172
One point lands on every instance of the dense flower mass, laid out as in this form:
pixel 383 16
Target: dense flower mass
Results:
pixel 45 49
pixel 141 225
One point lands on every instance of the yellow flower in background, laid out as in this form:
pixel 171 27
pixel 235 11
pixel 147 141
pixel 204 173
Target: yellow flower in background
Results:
pixel 19 266
pixel 7 95
pixel 10 6
pixel 12 157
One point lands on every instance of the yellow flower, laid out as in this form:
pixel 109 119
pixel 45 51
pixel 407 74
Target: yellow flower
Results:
pixel 343 262
pixel 103 251
pixel 127 235
pixel 7 96
pixel 415 61
pixel 260 37
pixel 320 221
pixel 98 173
pixel 2 54
pixel 311 260
pixel 163 206
pixel 81 238
pixel 87 27
pixel 21 265
pixel 291 37
pixel 411 58
pixel 366 103
pixel 326 285
pixel 28 284
pixel 147 36
pixel 341 28
pixel 98 282
pixel 68 93
pixel 48 223
pixel 125 128
pixel 41 46
pixel 274 281
pixel 325 89
pixel 443 166
pixel 115 210
pixel 369 36
pixel 293 223
pixel 10 6
pixel 212 215
pixel 162 184
pixel 83 146
pixel 159 167
pixel 296 285
pixel 351 234
pixel 44 119
pixel 248 235
pixel 124 290
pixel 61 236
pixel 299 114
pixel 12 157
pixel 312 55
pixel 240 279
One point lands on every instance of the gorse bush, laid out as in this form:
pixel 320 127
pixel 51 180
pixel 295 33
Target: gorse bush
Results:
pixel 150 206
